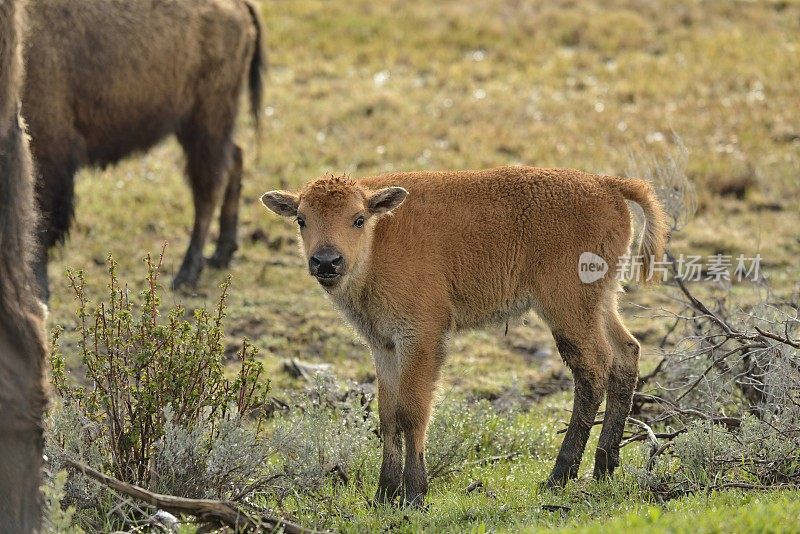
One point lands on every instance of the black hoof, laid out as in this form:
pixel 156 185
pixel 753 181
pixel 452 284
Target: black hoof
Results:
pixel 222 257
pixel 417 503
pixel 604 464
pixel 561 475
pixel 384 497
pixel 185 280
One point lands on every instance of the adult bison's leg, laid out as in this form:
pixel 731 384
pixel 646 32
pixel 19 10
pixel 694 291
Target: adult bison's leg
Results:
pixel 588 354
pixel 22 403
pixel 621 385
pixel 55 198
pixel 207 160
pixel 391 477
pixel 229 214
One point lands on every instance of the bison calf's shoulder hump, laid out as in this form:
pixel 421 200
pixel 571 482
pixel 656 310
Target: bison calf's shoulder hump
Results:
pixel 107 79
pixel 420 255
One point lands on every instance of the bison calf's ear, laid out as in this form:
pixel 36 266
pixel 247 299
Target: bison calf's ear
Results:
pixel 385 200
pixel 281 202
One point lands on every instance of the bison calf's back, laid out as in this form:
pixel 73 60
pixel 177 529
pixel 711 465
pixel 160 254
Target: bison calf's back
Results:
pixel 421 255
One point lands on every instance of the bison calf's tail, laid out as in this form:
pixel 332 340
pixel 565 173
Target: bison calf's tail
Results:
pixel 258 64
pixel 654 239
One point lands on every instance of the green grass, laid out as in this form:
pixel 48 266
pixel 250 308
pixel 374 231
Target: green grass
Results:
pixel 718 512
pixel 367 87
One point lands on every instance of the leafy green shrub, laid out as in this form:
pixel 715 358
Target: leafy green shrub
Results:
pixel 147 374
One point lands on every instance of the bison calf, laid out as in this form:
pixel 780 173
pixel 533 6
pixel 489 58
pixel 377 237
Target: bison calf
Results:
pixel 108 78
pixel 411 257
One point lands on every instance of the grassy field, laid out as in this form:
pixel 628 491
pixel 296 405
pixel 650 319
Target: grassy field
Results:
pixel 368 87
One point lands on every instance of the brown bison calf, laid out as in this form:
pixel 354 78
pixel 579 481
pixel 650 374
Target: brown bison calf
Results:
pixel 107 78
pixel 411 257
pixel 22 346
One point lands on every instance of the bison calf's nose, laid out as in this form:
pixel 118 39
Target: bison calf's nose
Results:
pixel 326 263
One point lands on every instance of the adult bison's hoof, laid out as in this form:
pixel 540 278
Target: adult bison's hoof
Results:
pixel 562 473
pixel 223 255
pixel 187 276
pixel 417 502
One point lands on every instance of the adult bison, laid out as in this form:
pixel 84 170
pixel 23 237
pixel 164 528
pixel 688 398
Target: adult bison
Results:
pixel 22 346
pixel 108 78
pixel 410 258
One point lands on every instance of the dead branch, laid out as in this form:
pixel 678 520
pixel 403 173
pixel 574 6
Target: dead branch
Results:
pixel 651 436
pixel 208 510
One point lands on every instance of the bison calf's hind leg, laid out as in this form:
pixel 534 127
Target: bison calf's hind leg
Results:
pixel 229 214
pixel 621 385
pixel 589 360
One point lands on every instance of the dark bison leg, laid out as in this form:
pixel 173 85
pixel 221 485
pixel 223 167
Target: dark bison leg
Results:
pixel 391 477
pixel 22 403
pixel 22 353
pixel 207 158
pixel 229 214
pixel 589 357
pixel 22 344
pixel 621 385
pixel 55 196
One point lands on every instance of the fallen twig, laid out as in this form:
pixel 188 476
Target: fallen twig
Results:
pixel 212 511
pixel 476 484
pixel 651 436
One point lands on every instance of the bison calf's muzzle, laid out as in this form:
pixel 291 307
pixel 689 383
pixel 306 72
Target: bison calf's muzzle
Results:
pixel 326 265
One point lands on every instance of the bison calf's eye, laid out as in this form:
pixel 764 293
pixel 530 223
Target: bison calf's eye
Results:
pixel 301 223
pixel 359 222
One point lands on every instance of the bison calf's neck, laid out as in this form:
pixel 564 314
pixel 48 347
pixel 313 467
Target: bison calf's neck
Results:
pixel 421 255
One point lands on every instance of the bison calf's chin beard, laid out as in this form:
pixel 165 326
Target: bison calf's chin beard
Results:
pixel 328 281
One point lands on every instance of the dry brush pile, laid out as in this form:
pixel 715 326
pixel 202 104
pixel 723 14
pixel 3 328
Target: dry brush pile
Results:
pixel 721 409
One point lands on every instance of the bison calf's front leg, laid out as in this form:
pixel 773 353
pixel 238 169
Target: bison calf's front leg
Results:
pixel 391 477
pixel 417 388
pixel 415 477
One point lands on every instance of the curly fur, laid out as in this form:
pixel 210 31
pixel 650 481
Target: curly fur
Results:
pixel 22 344
pixel 467 248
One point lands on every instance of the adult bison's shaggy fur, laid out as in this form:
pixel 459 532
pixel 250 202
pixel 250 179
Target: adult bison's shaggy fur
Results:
pixel 107 78
pixel 411 257
pixel 22 346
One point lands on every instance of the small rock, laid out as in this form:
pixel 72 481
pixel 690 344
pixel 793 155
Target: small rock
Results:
pixel 305 370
